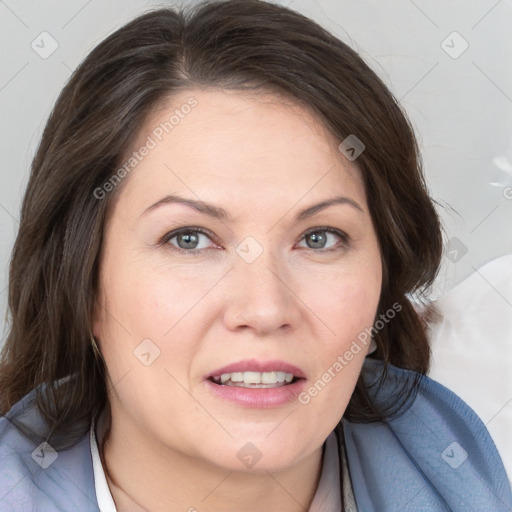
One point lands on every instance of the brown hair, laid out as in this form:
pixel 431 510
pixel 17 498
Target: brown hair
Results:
pixel 231 44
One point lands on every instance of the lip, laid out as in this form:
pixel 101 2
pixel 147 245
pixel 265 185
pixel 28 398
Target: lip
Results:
pixel 254 365
pixel 258 398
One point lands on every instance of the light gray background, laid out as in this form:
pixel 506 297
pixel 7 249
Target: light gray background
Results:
pixel 461 107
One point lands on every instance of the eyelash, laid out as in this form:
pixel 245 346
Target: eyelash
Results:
pixel 345 239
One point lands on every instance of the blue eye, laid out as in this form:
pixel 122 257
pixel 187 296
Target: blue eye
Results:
pixel 188 240
pixel 319 236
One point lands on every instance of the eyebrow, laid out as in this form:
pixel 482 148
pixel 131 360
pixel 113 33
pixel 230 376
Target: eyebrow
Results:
pixel 221 214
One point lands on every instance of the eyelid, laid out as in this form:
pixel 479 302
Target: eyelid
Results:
pixel 345 238
pixel 342 234
pixel 186 229
pixel 343 245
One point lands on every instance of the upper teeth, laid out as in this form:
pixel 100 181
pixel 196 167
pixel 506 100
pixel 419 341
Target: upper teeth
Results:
pixel 256 377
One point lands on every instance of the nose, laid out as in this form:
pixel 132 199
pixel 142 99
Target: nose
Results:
pixel 259 297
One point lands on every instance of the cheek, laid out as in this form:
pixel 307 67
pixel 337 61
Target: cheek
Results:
pixel 345 300
pixel 349 319
pixel 146 303
pixel 348 306
pixel 151 295
pixel 164 301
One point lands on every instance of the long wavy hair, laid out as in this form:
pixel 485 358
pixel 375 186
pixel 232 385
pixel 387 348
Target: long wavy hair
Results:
pixel 239 45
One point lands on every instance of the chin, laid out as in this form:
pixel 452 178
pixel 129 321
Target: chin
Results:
pixel 257 455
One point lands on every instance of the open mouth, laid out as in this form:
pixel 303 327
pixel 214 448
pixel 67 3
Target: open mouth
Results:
pixel 257 384
pixel 255 380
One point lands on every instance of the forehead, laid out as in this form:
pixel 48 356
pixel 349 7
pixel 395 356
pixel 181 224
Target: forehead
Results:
pixel 235 144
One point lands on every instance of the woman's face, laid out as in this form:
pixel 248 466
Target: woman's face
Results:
pixel 249 296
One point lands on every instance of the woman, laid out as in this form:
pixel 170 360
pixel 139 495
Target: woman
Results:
pixel 208 290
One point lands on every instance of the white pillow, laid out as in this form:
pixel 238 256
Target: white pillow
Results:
pixel 472 348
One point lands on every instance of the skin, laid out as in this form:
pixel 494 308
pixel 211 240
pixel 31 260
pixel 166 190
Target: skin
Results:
pixel 173 444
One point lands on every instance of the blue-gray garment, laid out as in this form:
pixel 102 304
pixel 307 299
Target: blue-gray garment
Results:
pixel 437 456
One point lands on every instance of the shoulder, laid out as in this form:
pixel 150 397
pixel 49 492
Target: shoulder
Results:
pixel 436 454
pixel 34 474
